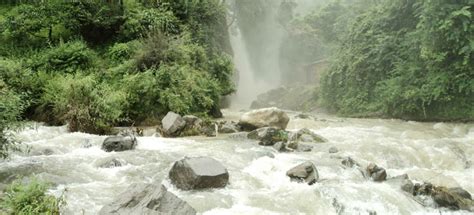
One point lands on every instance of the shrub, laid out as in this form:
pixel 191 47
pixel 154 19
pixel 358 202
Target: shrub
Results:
pixel 31 198
pixel 120 52
pixel 184 89
pixel 152 51
pixel 83 102
pixel 66 57
pixel 11 106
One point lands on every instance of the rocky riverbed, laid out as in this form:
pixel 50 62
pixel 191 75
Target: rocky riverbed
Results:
pixel 350 170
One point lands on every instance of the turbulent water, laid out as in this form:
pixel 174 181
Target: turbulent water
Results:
pixel 440 153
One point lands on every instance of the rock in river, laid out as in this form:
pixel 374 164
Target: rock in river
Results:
pixel 376 173
pixel 305 172
pixel 198 173
pixel 119 143
pixel 173 124
pixel 267 117
pixel 147 199
pixel 268 136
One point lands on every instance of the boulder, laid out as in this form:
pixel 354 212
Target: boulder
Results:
pixel 228 127
pixel 193 126
pixel 209 130
pixel 173 124
pixel 461 192
pixel 305 172
pixel 267 117
pixel 119 143
pixel 452 198
pixel 376 173
pixel 306 135
pixel 198 173
pixel 268 136
pixel 147 199
pixel 408 186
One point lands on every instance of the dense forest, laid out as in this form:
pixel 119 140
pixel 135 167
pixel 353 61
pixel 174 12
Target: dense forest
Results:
pixel 95 65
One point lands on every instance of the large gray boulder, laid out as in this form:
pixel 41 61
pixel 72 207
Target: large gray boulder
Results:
pixel 305 172
pixel 268 136
pixel 119 143
pixel 173 124
pixel 147 199
pixel 198 173
pixel 267 117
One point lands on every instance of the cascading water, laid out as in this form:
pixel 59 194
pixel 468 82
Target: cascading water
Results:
pixel 440 153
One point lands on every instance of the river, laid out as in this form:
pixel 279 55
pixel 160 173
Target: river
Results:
pixel 440 153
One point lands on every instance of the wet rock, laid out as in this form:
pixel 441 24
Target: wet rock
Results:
pixel 86 144
pixel 281 147
pixel 306 135
pixel 198 173
pixel 268 136
pixel 215 112
pixel 147 199
pixel 303 116
pixel 333 150
pixel 408 186
pixel 305 172
pixel 304 148
pixel 210 130
pixel 193 126
pixel 267 117
pixel 119 143
pixel 461 192
pixel 349 162
pixel 452 198
pixel 228 128
pixel 173 124
pixel 111 163
pixel 376 173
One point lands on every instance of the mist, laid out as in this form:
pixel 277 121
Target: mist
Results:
pixel 259 29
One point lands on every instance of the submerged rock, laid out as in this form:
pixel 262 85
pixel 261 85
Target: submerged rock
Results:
pixel 349 162
pixel 333 150
pixel 268 136
pixel 173 124
pixel 305 172
pixel 198 173
pixel 147 199
pixel 267 117
pixel 119 143
pixel 111 163
pixel 376 173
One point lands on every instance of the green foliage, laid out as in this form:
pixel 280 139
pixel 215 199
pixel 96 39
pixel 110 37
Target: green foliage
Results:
pixel 87 104
pixel 11 106
pixel 122 51
pixel 99 64
pixel 30 198
pixel 406 59
pixel 66 58
pixel 186 90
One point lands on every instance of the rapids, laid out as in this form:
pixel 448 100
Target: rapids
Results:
pixel 440 153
